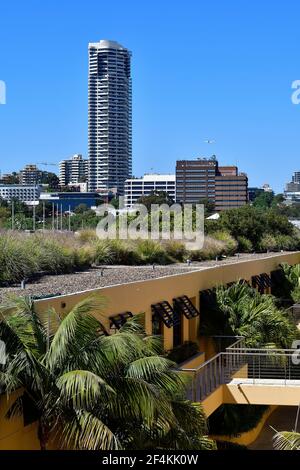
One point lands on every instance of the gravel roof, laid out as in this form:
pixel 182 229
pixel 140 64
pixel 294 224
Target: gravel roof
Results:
pixel 112 275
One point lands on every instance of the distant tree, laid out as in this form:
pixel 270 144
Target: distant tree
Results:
pixel 81 209
pixel 264 200
pixel 13 178
pixel 50 178
pixel 115 202
pixel 159 197
pixel 48 209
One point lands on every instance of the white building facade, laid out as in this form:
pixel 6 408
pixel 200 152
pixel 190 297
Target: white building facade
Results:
pixel 109 116
pixel 28 194
pixel 149 183
pixel 73 170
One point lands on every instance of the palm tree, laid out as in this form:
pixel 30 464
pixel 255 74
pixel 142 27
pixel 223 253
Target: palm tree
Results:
pixel 292 276
pixel 94 391
pixel 255 316
pixel 285 440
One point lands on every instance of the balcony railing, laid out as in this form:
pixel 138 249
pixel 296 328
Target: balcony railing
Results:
pixel 263 366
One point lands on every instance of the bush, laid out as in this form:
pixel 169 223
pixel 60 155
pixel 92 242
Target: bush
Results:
pixel 267 243
pixel 286 242
pixel 210 250
pixel 87 236
pixel 102 253
pixel 176 250
pixel 150 252
pixel 17 263
pixel 230 244
pixel 244 245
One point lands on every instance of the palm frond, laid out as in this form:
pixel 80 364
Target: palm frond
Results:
pixel 83 389
pixel 86 432
pixel 285 440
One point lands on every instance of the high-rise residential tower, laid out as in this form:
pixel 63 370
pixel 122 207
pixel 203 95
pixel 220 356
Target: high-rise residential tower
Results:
pixel 73 170
pixel 109 116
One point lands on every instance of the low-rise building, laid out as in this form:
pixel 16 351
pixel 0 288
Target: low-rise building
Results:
pixel 69 201
pixel 25 193
pixel 135 188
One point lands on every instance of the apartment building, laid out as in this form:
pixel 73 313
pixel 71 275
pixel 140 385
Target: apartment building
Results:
pixel 73 170
pixel 30 174
pixel 110 115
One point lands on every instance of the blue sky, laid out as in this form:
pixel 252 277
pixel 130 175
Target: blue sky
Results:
pixel 201 70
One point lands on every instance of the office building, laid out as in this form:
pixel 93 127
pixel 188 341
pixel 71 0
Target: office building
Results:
pixel 231 189
pixel 149 183
pixel 25 193
pixel 292 189
pixel 109 119
pixel 73 170
pixel 195 180
pixel 205 179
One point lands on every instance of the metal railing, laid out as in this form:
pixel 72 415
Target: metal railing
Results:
pixel 265 366
pixel 294 313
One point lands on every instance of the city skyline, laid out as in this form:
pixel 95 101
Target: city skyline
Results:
pixel 248 113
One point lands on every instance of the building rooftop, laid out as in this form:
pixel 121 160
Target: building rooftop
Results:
pixel 106 44
pixel 113 275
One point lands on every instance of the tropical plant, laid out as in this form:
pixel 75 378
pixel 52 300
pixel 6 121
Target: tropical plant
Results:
pixel 87 390
pixel 241 311
pixel 292 275
pixel 286 440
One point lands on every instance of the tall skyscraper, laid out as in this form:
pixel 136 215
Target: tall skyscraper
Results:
pixel 110 111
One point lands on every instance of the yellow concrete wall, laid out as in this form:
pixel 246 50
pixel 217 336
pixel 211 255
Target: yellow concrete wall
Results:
pixel 262 394
pixel 194 362
pixel 13 434
pixel 213 401
pixel 138 296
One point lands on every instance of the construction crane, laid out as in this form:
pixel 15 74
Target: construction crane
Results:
pixel 46 163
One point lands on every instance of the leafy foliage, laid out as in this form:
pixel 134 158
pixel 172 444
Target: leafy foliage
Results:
pixel 240 310
pixel 92 391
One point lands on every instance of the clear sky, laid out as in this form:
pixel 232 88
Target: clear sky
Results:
pixel 201 70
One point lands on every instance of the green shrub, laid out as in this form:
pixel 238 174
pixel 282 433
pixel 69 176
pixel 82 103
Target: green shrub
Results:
pixel 267 243
pixel 210 250
pixel 123 253
pixel 229 242
pixel 287 242
pixel 152 252
pixel 87 236
pixel 176 250
pixel 16 261
pixel 102 253
pixel 244 245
